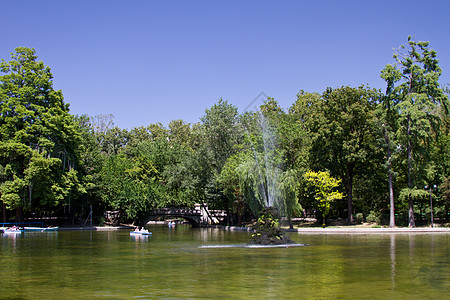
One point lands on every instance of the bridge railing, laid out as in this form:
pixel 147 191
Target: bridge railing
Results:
pixel 201 213
pixel 218 213
pixel 177 211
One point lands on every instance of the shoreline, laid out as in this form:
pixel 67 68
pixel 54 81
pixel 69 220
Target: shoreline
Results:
pixel 96 228
pixel 350 230
pixel 360 230
pixel 302 230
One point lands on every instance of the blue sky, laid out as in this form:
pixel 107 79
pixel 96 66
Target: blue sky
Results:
pixel 156 61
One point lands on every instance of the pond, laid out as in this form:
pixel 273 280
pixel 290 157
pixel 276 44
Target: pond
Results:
pixel 171 264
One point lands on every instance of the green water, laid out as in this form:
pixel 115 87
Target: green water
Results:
pixel 170 265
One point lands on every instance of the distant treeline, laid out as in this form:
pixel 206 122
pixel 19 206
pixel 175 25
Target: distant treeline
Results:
pixel 351 152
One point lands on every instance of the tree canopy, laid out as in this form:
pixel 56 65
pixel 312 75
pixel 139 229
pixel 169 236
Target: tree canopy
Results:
pixel 342 152
pixel 39 138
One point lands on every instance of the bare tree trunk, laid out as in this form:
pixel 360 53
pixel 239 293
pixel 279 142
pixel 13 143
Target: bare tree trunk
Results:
pixel 19 214
pixel 349 189
pixel 391 200
pixel 4 211
pixel 411 220
pixel 391 187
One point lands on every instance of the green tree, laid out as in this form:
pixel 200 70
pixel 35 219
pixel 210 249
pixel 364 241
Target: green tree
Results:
pixel 91 163
pixel 343 135
pixel 323 186
pixel 413 84
pixel 303 114
pixel 114 140
pixel 189 180
pixel 130 186
pixel 222 132
pixel 229 181
pixel 387 118
pixel 180 133
pixel 38 136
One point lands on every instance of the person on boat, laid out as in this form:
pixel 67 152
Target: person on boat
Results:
pixel 136 229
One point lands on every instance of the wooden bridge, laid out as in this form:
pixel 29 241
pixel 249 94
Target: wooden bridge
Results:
pixel 200 215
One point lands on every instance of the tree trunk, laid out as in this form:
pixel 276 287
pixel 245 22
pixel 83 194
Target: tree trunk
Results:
pixel 391 200
pixel 19 214
pixel 411 220
pixel 4 212
pixel 391 187
pixel 349 190
pixel 291 225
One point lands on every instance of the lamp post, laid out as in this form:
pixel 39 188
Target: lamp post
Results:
pixel 431 202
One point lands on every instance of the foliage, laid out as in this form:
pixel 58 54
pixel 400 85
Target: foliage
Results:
pixel 221 132
pixel 344 135
pixel 323 187
pixel 374 217
pixel 379 149
pixel 359 218
pixel 38 137
pixel 415 92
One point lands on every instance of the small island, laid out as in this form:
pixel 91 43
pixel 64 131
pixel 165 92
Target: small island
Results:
pixel 267 230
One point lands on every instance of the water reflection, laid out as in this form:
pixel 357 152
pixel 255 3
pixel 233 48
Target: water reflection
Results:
pixel 170 264
pixel 9 241
pixel 393 259
pixel 412 238
pixel 139 238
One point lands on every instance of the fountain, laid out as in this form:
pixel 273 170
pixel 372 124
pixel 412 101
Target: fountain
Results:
pixel 267 230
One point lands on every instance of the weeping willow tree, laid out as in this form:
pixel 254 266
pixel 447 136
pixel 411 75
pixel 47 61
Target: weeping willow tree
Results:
pixel 245 178
pixel 253 182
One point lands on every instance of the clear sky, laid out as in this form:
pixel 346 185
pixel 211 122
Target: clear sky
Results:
pixel 156 61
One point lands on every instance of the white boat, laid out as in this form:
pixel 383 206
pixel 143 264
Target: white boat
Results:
pixel 12 231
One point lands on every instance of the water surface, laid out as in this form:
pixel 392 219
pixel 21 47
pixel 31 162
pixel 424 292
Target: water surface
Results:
pixel 171 264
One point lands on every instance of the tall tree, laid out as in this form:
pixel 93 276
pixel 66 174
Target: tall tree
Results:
pixel 38 136
pixel 388 117
pixel 343 134
pixel 297 125
pixel 222 131
pixel 415 87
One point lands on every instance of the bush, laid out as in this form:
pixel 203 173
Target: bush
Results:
pixel 359 218
pixel 374 217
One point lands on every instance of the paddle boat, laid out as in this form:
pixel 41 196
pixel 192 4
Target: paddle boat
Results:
pixel 141 231
pixel 13 230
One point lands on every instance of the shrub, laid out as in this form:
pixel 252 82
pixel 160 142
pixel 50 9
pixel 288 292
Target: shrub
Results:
pixel 374 217
pixel 359 218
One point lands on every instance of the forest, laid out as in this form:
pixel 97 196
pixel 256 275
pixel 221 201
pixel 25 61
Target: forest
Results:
pixel 350 153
